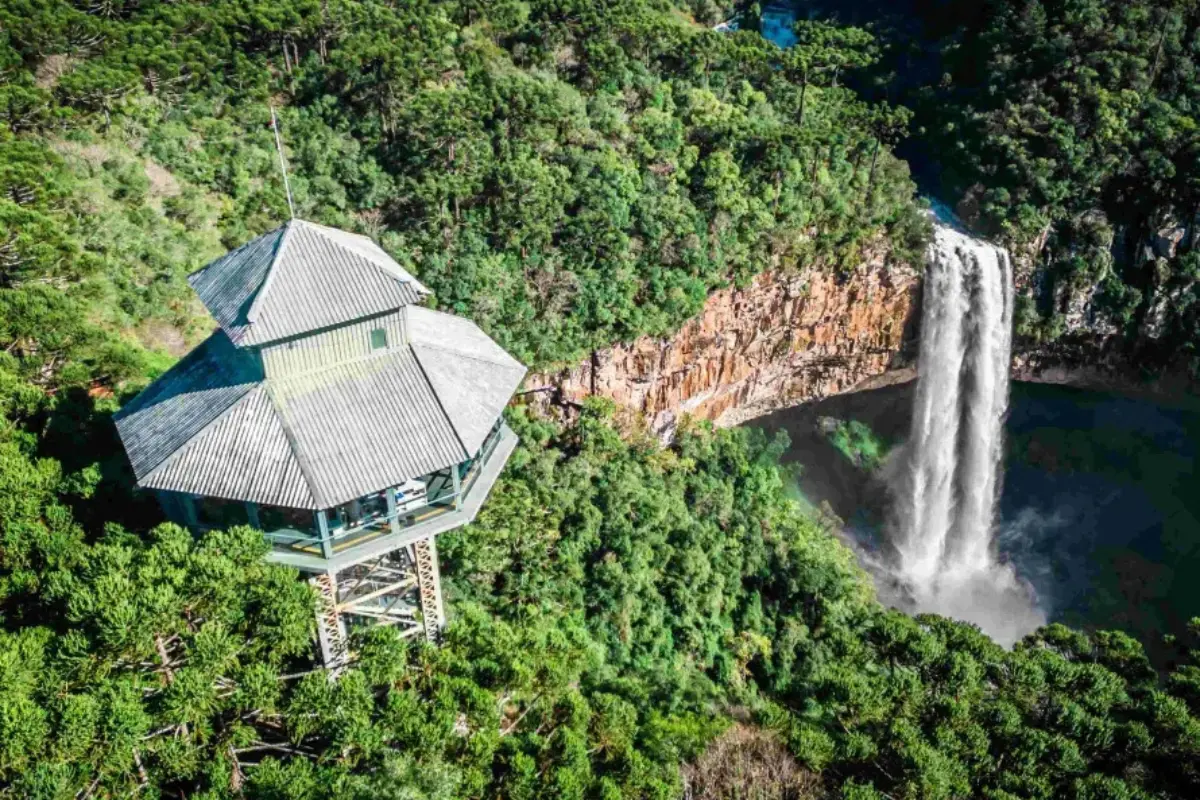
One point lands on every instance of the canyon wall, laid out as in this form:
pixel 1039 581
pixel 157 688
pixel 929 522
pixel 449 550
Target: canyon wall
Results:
pixel 785 339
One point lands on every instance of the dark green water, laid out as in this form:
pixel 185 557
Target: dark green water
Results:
pixel 1100 509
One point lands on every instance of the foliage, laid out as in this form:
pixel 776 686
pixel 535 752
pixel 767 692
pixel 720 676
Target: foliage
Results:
pixel 566 175
pixel 856 441
pixel 1067 128
pixel 750 762
pixel 919 708
pixel 1086 104
pixel 611 601
pixel 1080 119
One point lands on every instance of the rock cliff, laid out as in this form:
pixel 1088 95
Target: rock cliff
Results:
pixel 784 339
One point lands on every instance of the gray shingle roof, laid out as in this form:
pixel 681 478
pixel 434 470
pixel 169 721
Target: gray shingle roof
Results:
pixel 244 454
pixel 470 373
pixel 298 278
pixel 214 426
pixel 184 401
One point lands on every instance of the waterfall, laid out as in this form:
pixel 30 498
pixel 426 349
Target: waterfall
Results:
pixel 947 484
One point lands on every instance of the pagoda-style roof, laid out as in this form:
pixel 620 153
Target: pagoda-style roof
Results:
pixel 298 278
pixel 214 425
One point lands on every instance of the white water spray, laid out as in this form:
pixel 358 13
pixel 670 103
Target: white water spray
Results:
pixel 947 483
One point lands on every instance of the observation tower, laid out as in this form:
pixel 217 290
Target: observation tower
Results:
pixel 336 414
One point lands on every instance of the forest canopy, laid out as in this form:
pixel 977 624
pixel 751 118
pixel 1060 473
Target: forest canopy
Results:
pixel 614 604
pixel 569 174
pixel 1068 129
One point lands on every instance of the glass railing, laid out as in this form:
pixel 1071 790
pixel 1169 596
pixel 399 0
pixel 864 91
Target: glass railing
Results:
pixel 440 499
pixel 475 465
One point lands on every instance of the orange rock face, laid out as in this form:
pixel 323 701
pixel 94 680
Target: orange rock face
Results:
pixel 783 340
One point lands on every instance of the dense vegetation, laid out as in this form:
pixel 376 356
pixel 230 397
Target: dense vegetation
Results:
pixel 614 602
pixel 1068 122
pixel 568 173
pixel 856 441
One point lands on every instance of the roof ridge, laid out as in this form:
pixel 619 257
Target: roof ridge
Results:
pixel 293 445
pixel 382 261
pixel 512 362
pixel 306 375
pixel 260 295
pixel 323 230
pixel 441 406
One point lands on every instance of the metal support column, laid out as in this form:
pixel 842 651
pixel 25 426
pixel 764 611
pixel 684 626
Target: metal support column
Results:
pixel 331 629
pixel 456 480
pixel 385 591
pixel 431 586
pixel 401 588
pixel 191 519
pixel 252 515
pixel 323 531
pixel 393 520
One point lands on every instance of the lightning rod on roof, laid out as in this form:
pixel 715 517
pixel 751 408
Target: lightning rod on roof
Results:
pixel 282 163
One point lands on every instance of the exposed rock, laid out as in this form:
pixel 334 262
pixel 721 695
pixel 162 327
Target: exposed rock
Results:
pixel 1154 323
pixel 1167 240
pixel 1026 258
pixel 783 340
pixel 1077 305
pixel 1077 302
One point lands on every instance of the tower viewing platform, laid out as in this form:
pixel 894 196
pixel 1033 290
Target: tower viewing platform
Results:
pixel 333 412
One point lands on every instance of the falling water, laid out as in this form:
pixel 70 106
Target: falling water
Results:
pixel 947 483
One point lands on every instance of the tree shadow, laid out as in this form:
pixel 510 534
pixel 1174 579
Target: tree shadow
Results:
pixel 79 435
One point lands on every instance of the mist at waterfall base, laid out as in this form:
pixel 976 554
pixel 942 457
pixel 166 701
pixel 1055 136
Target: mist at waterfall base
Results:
pixel 1098 513
pixel 1098 524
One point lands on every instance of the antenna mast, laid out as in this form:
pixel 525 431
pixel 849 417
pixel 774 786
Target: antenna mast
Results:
pixel 282 163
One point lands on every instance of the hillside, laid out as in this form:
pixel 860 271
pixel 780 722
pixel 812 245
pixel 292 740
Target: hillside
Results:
pixel 567 176
pixel 628 619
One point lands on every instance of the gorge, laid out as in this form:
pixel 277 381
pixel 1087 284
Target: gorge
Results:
pixel 792 336
pixel 643 204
